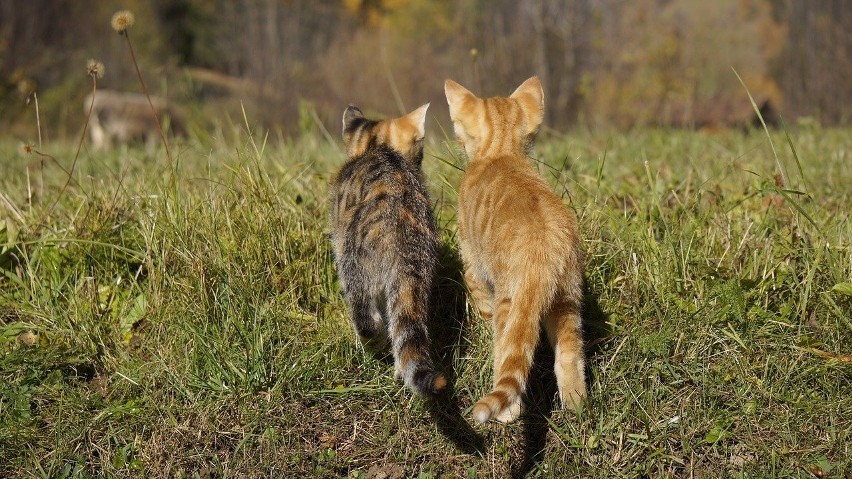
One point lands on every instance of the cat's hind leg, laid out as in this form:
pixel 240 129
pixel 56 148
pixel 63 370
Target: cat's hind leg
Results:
pixel 367 320
pixel 563 326
pixel 481 293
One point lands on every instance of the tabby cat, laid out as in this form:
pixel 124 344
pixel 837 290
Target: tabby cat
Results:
pixel 520 247
pixel 385 240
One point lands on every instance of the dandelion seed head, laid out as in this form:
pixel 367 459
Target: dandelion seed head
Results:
pixel 26 87
pixel 122 20
pixel 95 68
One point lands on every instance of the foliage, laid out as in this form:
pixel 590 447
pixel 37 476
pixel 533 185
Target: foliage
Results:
pixel 667 64
pixel 603 64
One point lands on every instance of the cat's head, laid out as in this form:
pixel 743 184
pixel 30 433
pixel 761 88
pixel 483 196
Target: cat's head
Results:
pixel 404 134
pixel 497 124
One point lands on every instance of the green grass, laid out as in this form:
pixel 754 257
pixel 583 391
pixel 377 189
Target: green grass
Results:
pixel 194 328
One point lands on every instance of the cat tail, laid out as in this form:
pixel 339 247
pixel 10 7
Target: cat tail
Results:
pixel 517 325
pixel 410 340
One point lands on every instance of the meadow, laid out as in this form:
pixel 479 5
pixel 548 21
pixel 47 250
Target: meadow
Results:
pixel 183 319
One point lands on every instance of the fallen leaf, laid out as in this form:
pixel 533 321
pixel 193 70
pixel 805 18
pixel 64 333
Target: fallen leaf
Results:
pixel 817 471
pixel 843 358
pixel 327 441
pixel 390 471
pixel 843 288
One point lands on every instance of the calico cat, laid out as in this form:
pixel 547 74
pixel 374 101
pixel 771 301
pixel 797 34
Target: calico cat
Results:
pixel 520 247
pixel 385 240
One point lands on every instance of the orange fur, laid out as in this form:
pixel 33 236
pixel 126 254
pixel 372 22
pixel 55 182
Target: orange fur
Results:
pixel 520 246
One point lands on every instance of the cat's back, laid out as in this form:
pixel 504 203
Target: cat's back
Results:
pixel 379 178
pixel 377 165
pixel 508 173
pixel 381 208
pixel 510 186
pixel 381 215
pixel 505 206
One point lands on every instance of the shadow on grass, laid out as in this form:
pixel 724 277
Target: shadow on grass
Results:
pixel 596 327
pixel 447 330
pixel 542 398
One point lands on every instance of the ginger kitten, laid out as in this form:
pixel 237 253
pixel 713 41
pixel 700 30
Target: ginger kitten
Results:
pixel 385 240
pixel 520 247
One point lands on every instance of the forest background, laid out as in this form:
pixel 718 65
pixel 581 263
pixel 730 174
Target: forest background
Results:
pixel 604 63
pixel 179 315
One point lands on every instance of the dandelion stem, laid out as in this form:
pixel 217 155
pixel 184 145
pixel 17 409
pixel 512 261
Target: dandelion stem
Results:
pixel 70 171
pixel 38 119
pixel 126 34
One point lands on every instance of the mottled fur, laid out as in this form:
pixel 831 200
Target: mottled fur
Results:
pixel 520 247
pixel 385 240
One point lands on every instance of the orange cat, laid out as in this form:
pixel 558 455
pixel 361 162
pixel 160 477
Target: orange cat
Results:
pixel 519 245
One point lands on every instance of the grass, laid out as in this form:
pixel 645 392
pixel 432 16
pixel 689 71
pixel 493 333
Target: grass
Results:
pixel 186 321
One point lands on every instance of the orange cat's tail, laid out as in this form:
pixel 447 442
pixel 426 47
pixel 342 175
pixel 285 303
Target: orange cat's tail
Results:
pixel 517 324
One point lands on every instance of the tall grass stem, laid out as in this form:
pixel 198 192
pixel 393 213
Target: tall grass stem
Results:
pixel 126 34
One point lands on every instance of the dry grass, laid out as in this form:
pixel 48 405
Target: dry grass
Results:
pixel 195 329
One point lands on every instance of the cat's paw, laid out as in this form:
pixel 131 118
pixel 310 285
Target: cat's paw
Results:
pixel 510 414
pixel 573 397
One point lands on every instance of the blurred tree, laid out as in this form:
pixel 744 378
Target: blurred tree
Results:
pixel 510 40
pixel 602 62
pixel 46 43
pixel 185 27
pixel 815 66
pixel 394 62
pixel 666 63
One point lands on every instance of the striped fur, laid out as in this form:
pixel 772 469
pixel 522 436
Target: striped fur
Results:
pixel 385 240
pixel 520 247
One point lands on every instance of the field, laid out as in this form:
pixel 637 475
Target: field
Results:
pixel 184 319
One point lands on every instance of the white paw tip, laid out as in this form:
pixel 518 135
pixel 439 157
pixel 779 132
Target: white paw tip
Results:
pixel 481 415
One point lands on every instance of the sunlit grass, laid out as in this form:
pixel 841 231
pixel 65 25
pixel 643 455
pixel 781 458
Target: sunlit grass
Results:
pixel 151 327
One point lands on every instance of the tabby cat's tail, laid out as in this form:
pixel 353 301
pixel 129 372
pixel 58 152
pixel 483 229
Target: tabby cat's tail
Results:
pixel 410 344
pixel 517 327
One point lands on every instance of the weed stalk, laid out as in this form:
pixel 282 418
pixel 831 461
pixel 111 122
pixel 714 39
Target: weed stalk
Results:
pixel 126 34
pixel 38 119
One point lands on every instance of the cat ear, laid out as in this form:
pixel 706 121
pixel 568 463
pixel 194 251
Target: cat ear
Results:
pixel 350 117
pixel 530 95
pixel 456 96
pixel 418 117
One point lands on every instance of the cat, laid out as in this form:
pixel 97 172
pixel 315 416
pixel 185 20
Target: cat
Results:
pixel 520 247
pixel 119 117
pixel 385 241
